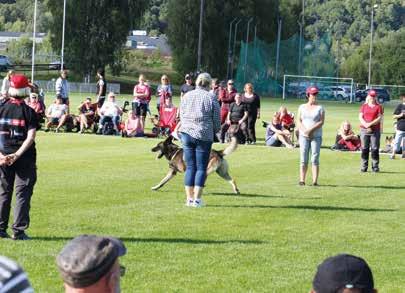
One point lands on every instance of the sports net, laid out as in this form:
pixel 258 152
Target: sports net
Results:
pixel 257 62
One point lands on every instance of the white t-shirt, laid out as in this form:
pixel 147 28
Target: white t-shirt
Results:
pixel 57 110
pixel 109 109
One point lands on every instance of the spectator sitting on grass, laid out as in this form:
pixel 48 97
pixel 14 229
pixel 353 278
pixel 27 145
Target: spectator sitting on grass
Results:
pixel 276 135
pixel 87 114
pixel 56 114
pixel 346 139
pixel 12 277
pixel 110 109
pixel 89 264
pixel 343 273
pixel 133 126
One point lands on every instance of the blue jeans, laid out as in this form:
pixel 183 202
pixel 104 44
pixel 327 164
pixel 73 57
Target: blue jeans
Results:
pixel 196 155
pixel 399 137
pixel 307 144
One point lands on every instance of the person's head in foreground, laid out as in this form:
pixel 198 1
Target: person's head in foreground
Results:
pixel 12 277
pixel 371 97
pixel 343 273
pixel 89 263
pixel 203 80
pixel 19 87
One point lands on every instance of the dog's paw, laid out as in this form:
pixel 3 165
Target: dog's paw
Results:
pixel 155 187
pixel 236 191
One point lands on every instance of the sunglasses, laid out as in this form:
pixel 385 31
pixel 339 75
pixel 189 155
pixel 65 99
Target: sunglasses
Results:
pixel 230 83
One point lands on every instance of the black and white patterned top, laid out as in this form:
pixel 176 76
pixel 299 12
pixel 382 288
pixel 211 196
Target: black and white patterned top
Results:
pixel 199 114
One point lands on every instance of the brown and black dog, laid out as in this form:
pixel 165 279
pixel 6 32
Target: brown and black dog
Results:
pixel 174 154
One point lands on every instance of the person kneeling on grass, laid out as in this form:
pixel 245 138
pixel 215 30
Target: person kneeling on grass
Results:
pixel 133 126
pixel 56 114
pixel 276 135
pixel 346 139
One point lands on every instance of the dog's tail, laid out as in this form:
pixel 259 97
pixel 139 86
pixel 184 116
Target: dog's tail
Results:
pixel 231 147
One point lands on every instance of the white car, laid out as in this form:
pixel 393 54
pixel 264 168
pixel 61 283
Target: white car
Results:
pixel 341 93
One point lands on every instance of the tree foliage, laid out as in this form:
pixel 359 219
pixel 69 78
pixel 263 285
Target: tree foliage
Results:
pixel 183 20
pixel 155 18
pixel 95 31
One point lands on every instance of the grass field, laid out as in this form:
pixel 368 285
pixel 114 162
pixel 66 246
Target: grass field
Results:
pixel 268 239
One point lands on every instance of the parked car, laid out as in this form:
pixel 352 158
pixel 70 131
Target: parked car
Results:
pixel 382 95
pixel 54 65
pixel 5 63
pixel 341 93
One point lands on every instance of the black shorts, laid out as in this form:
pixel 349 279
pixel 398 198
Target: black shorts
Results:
pixel 140 109
pixel 100 101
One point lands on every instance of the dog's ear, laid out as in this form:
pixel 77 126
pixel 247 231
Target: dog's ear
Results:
pixel 169 139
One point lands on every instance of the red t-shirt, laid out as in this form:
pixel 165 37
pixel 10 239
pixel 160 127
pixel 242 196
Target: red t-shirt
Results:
pixel 142 89
pixel 286 120
pixel 371 113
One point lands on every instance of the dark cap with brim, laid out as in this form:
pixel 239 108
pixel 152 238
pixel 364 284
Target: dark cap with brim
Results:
pixel 87 258
pixel 343 271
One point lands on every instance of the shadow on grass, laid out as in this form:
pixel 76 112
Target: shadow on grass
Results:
pixel 365 186
pixel 254 195
pixel 304 207
pixel 162 240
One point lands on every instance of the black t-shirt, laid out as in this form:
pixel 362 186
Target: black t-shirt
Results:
pixel 16 118
pixel 237 111
pixel 186 88
pixel 253 104
pixel 401 121
pixel 102 84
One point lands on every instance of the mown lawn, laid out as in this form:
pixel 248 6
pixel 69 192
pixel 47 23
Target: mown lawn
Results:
pixel 268 239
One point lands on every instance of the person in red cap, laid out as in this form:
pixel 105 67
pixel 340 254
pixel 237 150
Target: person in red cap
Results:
pixel 18 124
pixel 311 117
pixel 370 116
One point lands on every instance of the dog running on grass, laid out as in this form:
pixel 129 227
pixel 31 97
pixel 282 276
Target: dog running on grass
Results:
pixel 174 154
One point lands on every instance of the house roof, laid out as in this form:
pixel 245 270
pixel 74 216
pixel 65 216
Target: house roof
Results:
pixel 159 42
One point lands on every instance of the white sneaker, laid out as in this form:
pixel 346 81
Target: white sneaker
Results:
pixel 198 203
pixel 189 202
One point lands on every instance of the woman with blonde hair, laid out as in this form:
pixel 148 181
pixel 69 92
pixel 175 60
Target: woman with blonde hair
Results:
pixel 6 84
pixel 164 90
pixel 252 102
pixel 346 139
pixel 370 116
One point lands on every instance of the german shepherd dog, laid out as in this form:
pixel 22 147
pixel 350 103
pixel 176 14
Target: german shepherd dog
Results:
pixel 174 154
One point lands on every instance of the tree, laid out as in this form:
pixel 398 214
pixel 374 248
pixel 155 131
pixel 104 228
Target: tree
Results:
pixel 95 31
pixel 183 27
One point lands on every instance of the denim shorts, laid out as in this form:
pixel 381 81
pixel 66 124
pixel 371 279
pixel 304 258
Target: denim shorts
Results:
pixel 310 144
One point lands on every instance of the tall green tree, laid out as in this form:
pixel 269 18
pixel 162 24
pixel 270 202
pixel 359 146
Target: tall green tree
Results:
pixel 96 31
pixel 183 27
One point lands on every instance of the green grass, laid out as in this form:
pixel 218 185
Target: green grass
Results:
pixel 268 239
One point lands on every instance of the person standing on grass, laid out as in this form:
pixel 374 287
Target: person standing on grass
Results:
pixel 200 120
pixel 311 118
pixel 6 84
pixel 140 102
pixel 101 88
pixel 17 157
pixel 399 115
pixel 252 102
pixel 164 90
pixel 188 86
pixel 62 87
pixel 226 98
pixel 370 116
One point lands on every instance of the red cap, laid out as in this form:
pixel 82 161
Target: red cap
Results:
pixel 312 90
pixel 372 93
pixel 19 86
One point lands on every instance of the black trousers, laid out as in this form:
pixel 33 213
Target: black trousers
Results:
pixel 251 127
pixel 22 174
pixel 370 142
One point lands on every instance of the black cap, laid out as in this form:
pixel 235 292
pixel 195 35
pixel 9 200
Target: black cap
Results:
pixel 343 271
pixel 87 258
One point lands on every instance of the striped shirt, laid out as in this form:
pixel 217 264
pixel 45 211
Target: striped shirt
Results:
pixel 12 278
pixel 199 114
